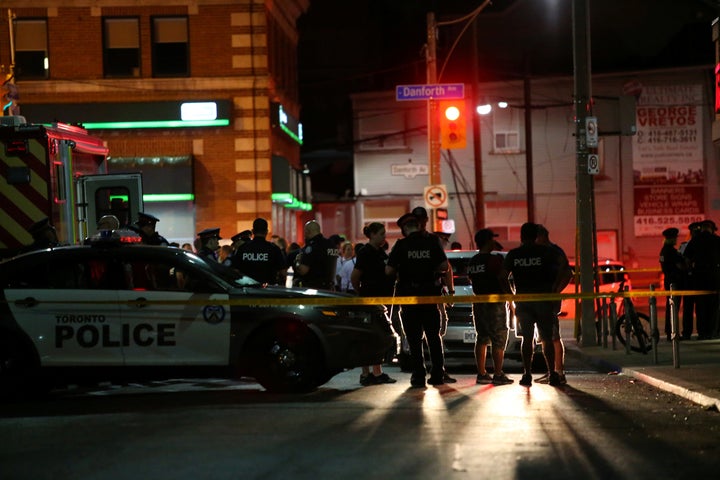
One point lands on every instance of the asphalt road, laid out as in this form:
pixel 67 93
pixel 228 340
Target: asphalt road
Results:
pixel 599 426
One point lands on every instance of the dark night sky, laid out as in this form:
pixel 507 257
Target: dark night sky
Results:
pixel 368 45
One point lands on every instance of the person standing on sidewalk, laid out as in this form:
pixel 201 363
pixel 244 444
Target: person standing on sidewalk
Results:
pixel 488 276
pixel 369 280
pixel 420 263
pixel 703 253
pixel 536 269
pixel 672 265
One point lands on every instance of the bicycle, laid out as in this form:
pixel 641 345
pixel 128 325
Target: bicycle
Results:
pixel 634 323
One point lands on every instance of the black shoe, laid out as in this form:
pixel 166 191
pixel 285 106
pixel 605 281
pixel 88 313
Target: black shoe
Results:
pixel 526 380
pixel 382 378
pixel 417 381
pixel 435 380
pixel 448 379
pixel 554 379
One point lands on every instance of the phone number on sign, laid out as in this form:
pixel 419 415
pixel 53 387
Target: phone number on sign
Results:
pixel 668 220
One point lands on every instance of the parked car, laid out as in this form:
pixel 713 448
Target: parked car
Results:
pixel 611 276
pixel 111 310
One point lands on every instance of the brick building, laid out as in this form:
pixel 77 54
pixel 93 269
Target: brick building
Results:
pixel 200 96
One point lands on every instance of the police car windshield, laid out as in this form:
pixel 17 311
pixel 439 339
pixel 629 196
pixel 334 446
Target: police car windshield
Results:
pixel 230 275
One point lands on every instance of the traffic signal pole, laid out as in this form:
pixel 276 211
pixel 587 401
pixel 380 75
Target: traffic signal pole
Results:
pixel 584 196
pixel 432 105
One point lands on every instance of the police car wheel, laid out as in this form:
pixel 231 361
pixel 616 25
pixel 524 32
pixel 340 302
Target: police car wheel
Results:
pixel 19 372
pixel 286 357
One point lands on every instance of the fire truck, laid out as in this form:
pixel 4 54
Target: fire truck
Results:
pixel 58 172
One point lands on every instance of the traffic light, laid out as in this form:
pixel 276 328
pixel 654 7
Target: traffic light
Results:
pixel 453 124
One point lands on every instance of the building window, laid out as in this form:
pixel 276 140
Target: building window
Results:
pixel 31 55
pixel 121 47
pixel 507 136
pixel 170 47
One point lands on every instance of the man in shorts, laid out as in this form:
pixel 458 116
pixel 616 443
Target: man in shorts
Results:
pixel 536 268
pixel 488 276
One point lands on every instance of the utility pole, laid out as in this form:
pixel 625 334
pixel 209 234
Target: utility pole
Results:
pixel 584 200
pixel 432 106
pixel 477 140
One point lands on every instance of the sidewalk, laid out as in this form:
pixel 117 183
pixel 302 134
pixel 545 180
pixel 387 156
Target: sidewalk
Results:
pixel 696 378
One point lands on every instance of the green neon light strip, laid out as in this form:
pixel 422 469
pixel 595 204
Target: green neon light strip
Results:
pixel 157 124
pixel 290 201
pixel 124 198
pixel 169 197
pixel 291 133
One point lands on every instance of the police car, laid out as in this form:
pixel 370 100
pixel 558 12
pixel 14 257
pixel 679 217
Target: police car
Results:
pixel 110 310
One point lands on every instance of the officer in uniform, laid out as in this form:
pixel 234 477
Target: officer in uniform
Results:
pixel 419 262
pixel 536 268
pixel 314 266
pixel 260 259
pixel 703 254
pixel 44 236
pixel 208 240
pixel 145 227
pixel 488 276
pixel 689 302
pixel 673 266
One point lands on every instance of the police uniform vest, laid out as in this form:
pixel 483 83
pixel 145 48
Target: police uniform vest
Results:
pixel 534 268
pixel 483 270
pixel 415 258
pixel 371 262
pixel 671 264
pixel 260 260
pixel 320 255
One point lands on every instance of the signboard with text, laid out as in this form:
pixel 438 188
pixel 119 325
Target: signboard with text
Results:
pixel 668 175
pixel 441 91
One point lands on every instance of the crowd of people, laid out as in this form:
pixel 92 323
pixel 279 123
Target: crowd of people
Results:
pixel 417 266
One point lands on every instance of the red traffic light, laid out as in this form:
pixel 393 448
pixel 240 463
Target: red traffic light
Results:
pixel 453 124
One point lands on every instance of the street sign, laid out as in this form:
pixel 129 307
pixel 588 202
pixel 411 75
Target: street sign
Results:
pixel 593 164
pixel 440 91
pixel 436 196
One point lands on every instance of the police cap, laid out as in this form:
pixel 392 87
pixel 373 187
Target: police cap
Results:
pixel 709 224
pixel 209 233
pixel 483 235
pixel 147 219
pixel 420 213
pixel 671 232
pixel 405 219
pixel 694 226
pixel 245 235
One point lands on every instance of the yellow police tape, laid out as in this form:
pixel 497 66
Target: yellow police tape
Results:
pixel 445 299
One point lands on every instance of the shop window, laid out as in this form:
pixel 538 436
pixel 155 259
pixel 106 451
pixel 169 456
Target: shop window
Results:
pixel 170 47
pixel 121 47
pixel 31 52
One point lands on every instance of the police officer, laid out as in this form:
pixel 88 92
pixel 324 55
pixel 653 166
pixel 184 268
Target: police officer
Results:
pixel 237 240
pixel 488 276
pixel 145 227
pixel 672 265
pixel 314 266
pixel 689 302
pixel 44 236
pixel 536 268
pixel 419 262
pixel 703 254
pixel 209 244
pixel 260 259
